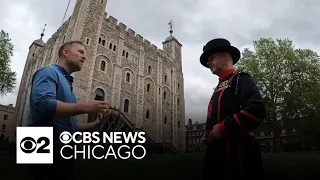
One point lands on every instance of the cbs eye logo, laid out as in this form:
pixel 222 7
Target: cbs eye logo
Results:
pixel 65 137
pixel 29 145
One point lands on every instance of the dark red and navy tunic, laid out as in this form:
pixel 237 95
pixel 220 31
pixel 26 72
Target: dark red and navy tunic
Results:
pixel 236 106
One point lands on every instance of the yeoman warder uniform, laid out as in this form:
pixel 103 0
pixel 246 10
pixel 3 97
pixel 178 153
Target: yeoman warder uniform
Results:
pixel 236 106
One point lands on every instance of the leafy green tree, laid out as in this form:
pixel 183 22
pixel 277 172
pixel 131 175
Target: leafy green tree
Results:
pixel 288 79
pixel 7 77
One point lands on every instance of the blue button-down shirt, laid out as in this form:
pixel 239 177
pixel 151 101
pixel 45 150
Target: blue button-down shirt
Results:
pixel 49 85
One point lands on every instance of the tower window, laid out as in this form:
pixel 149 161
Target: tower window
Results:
pixel 165 78
pixel 128 77
pixel 178 101
pixel 102 40
pixel 178 85
pixel 165 120
pixel 102 65
pixel 99 94
pixel 148 87
pixel 110 46
pixel 147 114
pixel 126 106
pixel 164 95
pixel 149 69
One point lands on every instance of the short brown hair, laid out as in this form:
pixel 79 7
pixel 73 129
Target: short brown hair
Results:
pixel 68 44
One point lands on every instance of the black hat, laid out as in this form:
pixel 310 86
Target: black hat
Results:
pixel 219 45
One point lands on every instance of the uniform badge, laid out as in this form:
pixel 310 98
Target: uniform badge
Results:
pixel 221 86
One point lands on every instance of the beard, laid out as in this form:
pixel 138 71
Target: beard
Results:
pixel 75 65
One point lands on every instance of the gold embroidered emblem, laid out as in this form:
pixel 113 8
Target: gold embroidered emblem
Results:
pixel 222 86
pixel 224 83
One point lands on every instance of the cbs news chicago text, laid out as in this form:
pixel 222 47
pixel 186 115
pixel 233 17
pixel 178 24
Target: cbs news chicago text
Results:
pixel 35 145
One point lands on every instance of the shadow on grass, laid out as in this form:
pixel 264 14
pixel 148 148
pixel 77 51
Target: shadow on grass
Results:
pixel 291 166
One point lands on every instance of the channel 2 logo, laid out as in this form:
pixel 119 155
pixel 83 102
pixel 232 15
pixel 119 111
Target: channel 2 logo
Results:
pixel 34 145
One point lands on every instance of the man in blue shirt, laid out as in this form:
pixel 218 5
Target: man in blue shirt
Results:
pixel 53 103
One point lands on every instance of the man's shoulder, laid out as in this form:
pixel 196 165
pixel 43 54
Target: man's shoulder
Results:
pixel 46 70
pixel 244 76
pixel 243 73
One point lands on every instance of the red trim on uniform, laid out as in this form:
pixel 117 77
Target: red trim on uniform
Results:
pixel 250 116
pixel 219 99
pixel 238 122
pixel 226 73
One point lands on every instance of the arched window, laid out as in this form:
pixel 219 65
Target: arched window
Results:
pixel 128 77
pixel 178 85
pixel 102 40
pixel 165 120
pixel 165 78
pixel 178 124
pixel 178 101
pixel 102 65
pixel 148 87
pixel 99 94
pixel 149 69
pixel 164 95
pixel 126 106
pixel 148 114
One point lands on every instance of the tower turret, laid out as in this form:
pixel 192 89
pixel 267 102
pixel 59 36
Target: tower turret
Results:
pixel 172 46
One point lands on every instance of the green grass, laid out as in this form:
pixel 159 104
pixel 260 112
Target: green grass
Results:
pixel 282 166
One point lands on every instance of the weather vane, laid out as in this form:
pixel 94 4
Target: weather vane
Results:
pixel 171 25
pixel 42 34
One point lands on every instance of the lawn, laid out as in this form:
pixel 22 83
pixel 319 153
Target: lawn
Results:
pixel 282 166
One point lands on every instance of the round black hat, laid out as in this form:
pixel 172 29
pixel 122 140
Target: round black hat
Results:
pixel 219 45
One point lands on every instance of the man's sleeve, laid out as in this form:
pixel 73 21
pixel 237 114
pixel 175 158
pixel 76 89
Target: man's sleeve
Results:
pixel 252 109
pixel 44 92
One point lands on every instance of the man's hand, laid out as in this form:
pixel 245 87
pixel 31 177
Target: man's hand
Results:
pixel 94 107
pixel 214 135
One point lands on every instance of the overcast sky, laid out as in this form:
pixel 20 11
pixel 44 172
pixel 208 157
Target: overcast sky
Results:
pixel 195 23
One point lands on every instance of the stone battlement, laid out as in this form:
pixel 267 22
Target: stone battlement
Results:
pixel 113 22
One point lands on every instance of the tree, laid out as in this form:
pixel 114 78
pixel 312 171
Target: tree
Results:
pixel 288 79
pixel 7 77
